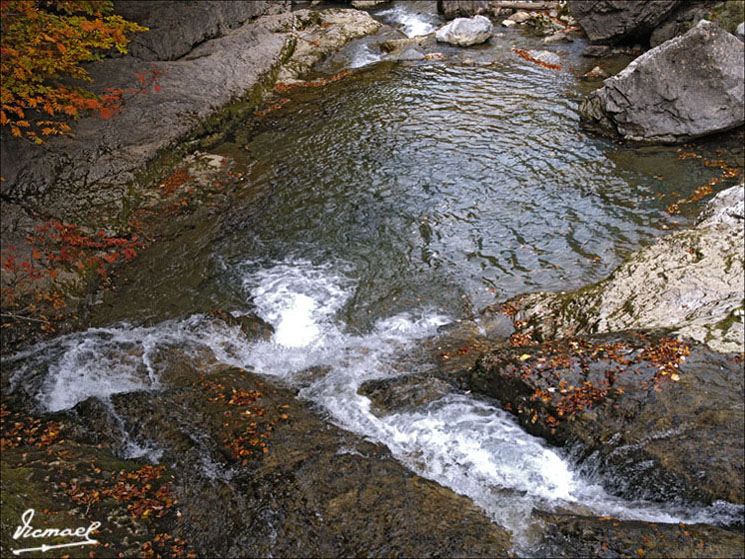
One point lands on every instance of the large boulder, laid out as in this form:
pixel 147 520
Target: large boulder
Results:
pixel 612 21
pixel 174 28
pixel 688 87
pixel 451 9
pixel 464 32
pixel 660 417
pixel 690 282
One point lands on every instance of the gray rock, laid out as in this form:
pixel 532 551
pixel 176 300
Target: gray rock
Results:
pixel 569 535
pixel 596 72
pixel 545 56
pixel 558 38
pixel 410 54
pixel 451 9
pixel 611 21
pixel 679 21
pixel 403 393
pixel 508 23
pixel 688 87
pixel 176 27
pixel 661 418
pixel 596 51
pixel 368 4
pixel 464 32
pixel 519 17
pixel 110 153
pixel 740 32
pixel 690 282
pixel 726 209
pixel 393 45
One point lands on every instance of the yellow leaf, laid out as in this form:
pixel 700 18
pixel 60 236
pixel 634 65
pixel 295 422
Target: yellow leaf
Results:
pixel 524 357
pixel 675 377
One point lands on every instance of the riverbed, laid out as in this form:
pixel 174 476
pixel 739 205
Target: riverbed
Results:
pixel 376 212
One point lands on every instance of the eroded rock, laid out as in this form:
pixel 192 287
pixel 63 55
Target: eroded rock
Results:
pixel 294 486
pixel 660 417
pixel 690 282
pixel 175 28
pixel 611 21
pixel 464 32
pixel 579 536
pixel 686 88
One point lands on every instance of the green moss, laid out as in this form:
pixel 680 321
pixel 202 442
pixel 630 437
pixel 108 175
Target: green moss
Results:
pixel 213 129
pixel 734 316
pixel 729 14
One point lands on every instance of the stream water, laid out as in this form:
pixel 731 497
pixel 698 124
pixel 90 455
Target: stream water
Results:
pixel 377 210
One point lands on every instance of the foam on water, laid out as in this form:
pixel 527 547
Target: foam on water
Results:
pixel 413 24
pixel 461 442
pixel 464 443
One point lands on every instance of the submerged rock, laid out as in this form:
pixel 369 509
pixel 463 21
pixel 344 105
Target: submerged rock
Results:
pixel 464 32
pixel 660 418
pixel 393 45
pixel 579 536
pixel 690 282
pixel 688 87
pixel 410 54
pixel 404 393
pixel 611 21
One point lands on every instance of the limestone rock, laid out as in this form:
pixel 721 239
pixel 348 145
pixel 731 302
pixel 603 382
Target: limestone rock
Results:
pixel 109 153
pixel 688 87
pixel 690 282
pixel 464 32
pixel 174 28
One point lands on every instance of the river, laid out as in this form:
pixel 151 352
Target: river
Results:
pixel 376 211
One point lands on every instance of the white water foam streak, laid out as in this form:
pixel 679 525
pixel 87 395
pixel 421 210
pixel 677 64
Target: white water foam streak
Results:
pixel 459 441
pixel 466 444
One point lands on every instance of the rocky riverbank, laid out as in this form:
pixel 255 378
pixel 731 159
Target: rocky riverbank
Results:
pixel 689 283
pixel 248 475
pixel 610 372
pixel 112 181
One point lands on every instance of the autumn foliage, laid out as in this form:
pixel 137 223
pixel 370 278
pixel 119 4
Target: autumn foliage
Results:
pixel 43 44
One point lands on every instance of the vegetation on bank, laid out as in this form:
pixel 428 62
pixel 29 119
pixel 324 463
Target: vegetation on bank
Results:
pixel 43 46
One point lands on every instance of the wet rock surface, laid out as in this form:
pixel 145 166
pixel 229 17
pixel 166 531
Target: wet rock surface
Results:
pixel 690 282
pixel 578 536
pixel 662 417
pixel 403 393
pixel 686 88
pixel 259 474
